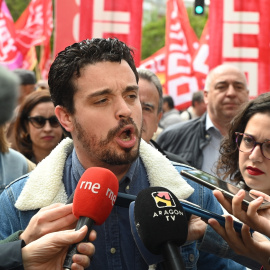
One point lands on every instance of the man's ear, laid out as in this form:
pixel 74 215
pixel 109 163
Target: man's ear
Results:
pixel 205 95
pixel 65 118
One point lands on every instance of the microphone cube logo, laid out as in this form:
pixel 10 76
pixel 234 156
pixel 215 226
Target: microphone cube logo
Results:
pixel 163 199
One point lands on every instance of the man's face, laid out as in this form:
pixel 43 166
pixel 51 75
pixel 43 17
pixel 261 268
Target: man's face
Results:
pixel 149 98
pixel 227 92
pixel 106 125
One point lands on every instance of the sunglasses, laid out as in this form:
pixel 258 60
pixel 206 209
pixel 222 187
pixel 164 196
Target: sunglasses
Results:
pixel 40 121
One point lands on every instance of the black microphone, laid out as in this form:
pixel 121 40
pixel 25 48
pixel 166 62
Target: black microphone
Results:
pixel 161 224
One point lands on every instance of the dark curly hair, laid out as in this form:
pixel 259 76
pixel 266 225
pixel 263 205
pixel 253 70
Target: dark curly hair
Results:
pixel 228 165
pixel 70 61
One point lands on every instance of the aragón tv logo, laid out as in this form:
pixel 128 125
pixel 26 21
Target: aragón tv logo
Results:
pixel 163 199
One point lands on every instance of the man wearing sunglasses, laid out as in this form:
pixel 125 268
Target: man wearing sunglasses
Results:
pixel 94 87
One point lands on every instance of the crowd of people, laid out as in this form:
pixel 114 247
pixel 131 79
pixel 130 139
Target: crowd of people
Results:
pixel 123 122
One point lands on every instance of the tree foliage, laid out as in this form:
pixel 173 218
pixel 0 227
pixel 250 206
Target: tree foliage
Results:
pixel 16 7
pixel 153 34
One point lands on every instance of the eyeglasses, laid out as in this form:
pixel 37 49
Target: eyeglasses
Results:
pixel 246 144
pixel 40 121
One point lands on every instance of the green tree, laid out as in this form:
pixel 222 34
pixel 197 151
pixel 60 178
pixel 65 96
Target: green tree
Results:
pixel 153 37
pixel 153 33
pixel 16 7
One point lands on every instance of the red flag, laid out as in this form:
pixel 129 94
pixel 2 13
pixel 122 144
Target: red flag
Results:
pixel 9 53
pixel 34 27
pixel 200 60
pixel 113 18
pixel 156 63
pixel 239 34
pixel 181 43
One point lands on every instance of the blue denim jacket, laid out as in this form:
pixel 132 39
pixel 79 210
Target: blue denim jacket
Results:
pixel 124 254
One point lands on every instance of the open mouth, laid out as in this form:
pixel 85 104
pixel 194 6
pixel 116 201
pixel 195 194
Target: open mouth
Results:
pixel 126 135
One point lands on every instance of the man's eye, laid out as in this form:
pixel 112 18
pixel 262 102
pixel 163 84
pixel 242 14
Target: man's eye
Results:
pixel 147 109
pixel 132 96
pixel 101 101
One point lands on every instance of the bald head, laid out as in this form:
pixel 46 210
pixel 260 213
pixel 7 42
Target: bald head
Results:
pixel 225 69
pixel 225 91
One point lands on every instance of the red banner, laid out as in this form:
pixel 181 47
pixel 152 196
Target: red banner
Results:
pixel 99 18
pixel 156 63
pixel 9 54
pixel 239 34
pixel 200 60
pixel 34 27
pixel 181 43
pixel 67 24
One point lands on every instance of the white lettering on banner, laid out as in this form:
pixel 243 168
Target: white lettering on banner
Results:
pixel 76 27
pixel 235 16
pixel 6 42
pixel 240 22
pixel 246 23
pixel 200 60
pixel 229 29
pixel 174 84
pixel 174 66
pixel 109 21
pixel 251 69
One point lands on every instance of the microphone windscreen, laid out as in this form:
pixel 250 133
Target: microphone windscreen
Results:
pixel 9 91
pixel 95 194
pixel 160 218
pixel 148 257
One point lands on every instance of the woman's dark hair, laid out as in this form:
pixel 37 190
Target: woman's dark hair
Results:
pixel 69 62
pixel 22 137
pixel 228 165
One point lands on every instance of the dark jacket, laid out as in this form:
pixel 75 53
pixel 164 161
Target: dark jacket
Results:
pixel 11 255
pixel 186 139
pixel 169 155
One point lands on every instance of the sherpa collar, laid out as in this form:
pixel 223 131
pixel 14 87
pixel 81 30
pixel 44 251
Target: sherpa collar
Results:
pixel 44 185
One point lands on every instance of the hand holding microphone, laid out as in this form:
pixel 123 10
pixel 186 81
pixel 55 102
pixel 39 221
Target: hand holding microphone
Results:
pixel 93 201
pixel 161 224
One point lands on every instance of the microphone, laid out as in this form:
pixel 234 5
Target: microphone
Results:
pixel 148 257
pixel 94 198
pixel 161 224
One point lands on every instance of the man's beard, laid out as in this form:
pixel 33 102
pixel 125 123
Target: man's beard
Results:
pixel 100 149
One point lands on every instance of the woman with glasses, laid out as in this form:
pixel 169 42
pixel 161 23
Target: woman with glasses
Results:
pixel 37 128
pixel 245 160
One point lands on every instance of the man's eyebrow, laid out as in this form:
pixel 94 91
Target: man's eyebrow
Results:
pixel 226 82
pixel 148 105
pixel 100 93
pixel 108 91
pixel 132 87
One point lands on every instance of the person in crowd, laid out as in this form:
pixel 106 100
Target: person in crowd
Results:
pixel 28 81
pixel 197 108
pixel 150 93
pixel 12 163
pixel 40 254
pixel 103 116
pixel 197 141
pixel 38 130
pixel 170 114
pixel 48 251
pixel 42 85
pixel 245 161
